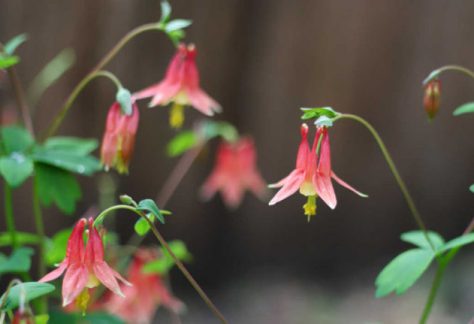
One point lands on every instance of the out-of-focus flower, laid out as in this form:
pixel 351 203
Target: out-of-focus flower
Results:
pixel 431 99
pixel 147 293
pixel 234 172
pixel 119 138
pixel 180 86
pixel 312 176
pixel 23 316
pixel 85 267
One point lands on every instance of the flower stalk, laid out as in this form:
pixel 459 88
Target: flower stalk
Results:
pixel 10 220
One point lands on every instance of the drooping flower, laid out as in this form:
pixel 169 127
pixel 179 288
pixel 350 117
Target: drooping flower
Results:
pixel 431 99
pixel 180 86
pixel 23 316
pixel 147 293
pixel 84 267
pixel 119 138
pixel 312 176
pixel 234 172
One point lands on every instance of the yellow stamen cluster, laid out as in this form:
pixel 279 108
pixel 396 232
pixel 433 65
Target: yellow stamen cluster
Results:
pixel 310 207
pixel 176 115
pixel 82 301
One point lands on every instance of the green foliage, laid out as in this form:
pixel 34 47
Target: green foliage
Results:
pixel 165 11
pixel 8 61
pixel 458 242
pixel 22 237
pixel 211 129
pixel 74 145
pixel 151 210
pixel 418 238
pixel 142 227
pixel 56 247
pixel 173 28
pixel 164 264
pixel 15 139
pixel 11 46
pixel 19 261
pixel 124 98
pixel 181 143
pixel 57 317
pixel 464 109
pixel 67 160
pixel 58 186
pixel 29 290
pixel 403 271
pixel 471 188
pixel 16 168
pixel 310 113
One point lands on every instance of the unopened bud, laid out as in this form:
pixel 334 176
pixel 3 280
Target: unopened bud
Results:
pixel 431 99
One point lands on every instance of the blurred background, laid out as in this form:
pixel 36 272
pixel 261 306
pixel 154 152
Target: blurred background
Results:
pixel 262 60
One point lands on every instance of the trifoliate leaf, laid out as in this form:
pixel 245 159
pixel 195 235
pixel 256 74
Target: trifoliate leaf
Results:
pixel 310 113
pixel 25 291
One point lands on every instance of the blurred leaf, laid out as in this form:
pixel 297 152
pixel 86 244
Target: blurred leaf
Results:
pixel 30 290
pixel 177 24
pixel 141 225
pixel 149 206
pixel 58 186
pixel 418 238
pixel 181 143
pixel 164 264
pixel 74 145
pixel 464 109
pixel 310 113
pixel 22 237
pixel 211 129
pixel 50 73
pixel 56 247
pixel 19 261
pixel 165 11
pixel 57 317
pixel 323 121
pixel 68 160
pixel 15 139
pixel 471 188
pixel 176 36
pixel 433 75
pixel 42 319
pixel 11 46
pixel 403 271
pixel 458 242
pixel 124 98
pixel 15 168
pixel 8 61
pixel 127 200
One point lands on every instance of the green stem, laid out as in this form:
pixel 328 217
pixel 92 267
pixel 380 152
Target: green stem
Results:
pixel 107 58
pixel 388 158
pixel 10 221
pixel 434 290
pixel 165 245
pixel 39 224
pixel 458 68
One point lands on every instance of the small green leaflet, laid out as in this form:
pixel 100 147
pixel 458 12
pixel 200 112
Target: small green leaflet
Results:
pixel 29 290
pixel 310 113
pixel 8 61
pixel 164 264
pixel 165 11
pixel 211 129
pixel 15 139
pixel 124 98
pixel 181 143
pixel 19 261
pixel 56 247
pixel 67 160
pixel 148 206
pixel 74 145
pixel 418 238
pixel 177 24
pixel 16 168
pixel 22 237
pixel 471 188
pixel 458 242
pixel 464 109
pixel 11 46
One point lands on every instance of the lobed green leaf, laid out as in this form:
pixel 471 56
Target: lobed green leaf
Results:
pixel 310 113
pixel 458 242
pixel 149 206
pixel 73 145
pixel 418 238
pixel 19 261
pixel 22 237
pixel 16 168
pixel 56 247
pixel 67 160
pixel 15 139
pixel 29 290
pixel 181 143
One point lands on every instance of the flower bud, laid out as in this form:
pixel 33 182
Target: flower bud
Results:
pixel 431 99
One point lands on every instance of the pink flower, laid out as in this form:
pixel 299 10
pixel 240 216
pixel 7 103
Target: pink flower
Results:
pixel 234 172
pixel 312 176
pixel 119 138
pixel 85 267
pixel 147 293
pixel 180 86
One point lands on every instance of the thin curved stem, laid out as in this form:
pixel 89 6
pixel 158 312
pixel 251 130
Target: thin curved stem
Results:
pixel 9 218
pixel 165 245
pixel 391 164
pixel 107 58
pixel 457 68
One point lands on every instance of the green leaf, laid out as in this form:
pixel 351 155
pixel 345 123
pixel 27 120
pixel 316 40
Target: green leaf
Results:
pixel 164 264
pixel 15 168
pixel 42 319
pixel 458 242
pixel 403 271
pixel 22 237
pixel 15 139
pixel 19 261
pixel 433 75
pixel 56 247
pixel 124 98
pixel 57 186
pixel 67 160
pixel 418 238
pixel 471 188
pixel 57 317
pixel 165 11
pixel 74 145
pixel 323 121
pixel 177 24
pixel 181 143
pixel 464 109
pixel 30 291
pixel 11 46
pixel 50 73
pixel 141 226
pixel 149 206
pixel 310 113
pixel 8 61
pixel 211 129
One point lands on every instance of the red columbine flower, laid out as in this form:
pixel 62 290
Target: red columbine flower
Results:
pixel 147 293
pixel 181 87
pixel 234 172
pixel 431 99
pixel 119 138
pixel 85 267
pixel 312 176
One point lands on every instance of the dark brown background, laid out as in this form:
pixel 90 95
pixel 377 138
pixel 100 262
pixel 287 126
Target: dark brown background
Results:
pixel 262 60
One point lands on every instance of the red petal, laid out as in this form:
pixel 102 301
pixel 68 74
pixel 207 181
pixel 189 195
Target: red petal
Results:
pixel 74 282
pixel 289 185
